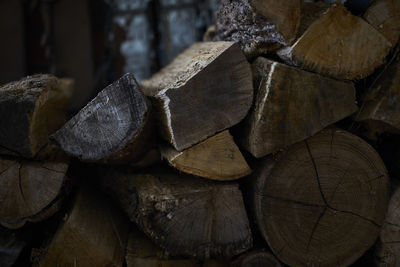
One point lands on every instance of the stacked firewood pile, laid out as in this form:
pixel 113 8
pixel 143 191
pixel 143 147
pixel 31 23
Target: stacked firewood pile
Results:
pixel 254 148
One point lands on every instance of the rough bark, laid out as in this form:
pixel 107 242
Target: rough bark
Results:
pixel 322 201
pixel 257 259
pixel 203 91
pixel 30 110
pixel 115 127
pixel 93 233
pixel 382 101
pixel 384 15
pixel 216 158
pixel 184 215
pixel 339 45
pixel 141 252
pixel 292 105
pixel 30 191
pixel 258 26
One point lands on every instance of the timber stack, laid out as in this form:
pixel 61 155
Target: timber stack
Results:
pixel 264 145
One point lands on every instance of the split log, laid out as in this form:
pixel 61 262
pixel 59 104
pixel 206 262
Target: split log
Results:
pixel 93 233
pixel 291 105
pixel 30 191
pixel 387 251
pixel 191 105
pixel 30 110
pixel 382 101
pixel 384 15
pixel 216 158
pixel 257 259
pixel 322 201
pixel 259 26
pixel 11 246
pixel 310 12
pixel 184 215
pixel 115 127
pixel 347 47
pixel 141 252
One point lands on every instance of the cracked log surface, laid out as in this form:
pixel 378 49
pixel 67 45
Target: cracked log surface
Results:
pixel 291 105
pixel 387 251
pixel 184 215
pixel 30 110
pixel 93 233
pixel 115 127
pixel 347 48
pixel 322 201
pixel 216 158
pixel 259 26
pixel 29 191
pixel 205 90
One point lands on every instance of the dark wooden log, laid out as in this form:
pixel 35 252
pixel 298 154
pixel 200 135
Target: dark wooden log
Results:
pixel 258 26
pixel 30 110
pixel 11 246
pixel 184 215
pixel 205 90
pixel 292 105
pixel 93 233
pixel 115 127
pixel 216 158
pixel 322 201
pixel 141 252
pixel 30 191
pixel 339 45
pixel 381 102
pixel 384 15
pixel 257 259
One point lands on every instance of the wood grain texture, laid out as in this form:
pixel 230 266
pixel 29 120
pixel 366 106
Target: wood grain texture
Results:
pixel 339 45
pixel 291 105
pixel 382 101
pixel 141 252
pixel 322 201
pixel 384 15
pixel 258 26
pixel 205 90
pixel 257 259
pixel 29 190
pixel 115 127
pixel 93 233
pixel 387 251
pixel 30 110
pixel 184 215
pixel 216 158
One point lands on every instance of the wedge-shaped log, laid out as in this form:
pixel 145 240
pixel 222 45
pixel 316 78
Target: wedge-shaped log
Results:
pixel 141 252
pixel 259 26
pixel 206 89
pixel 322 201
pixel 339 45
pixel 30 191
pixel 257 259
pixel 216 158
pixel 30 110
pixel 184 215
pixel 384 15
pixel 94 233
pixel 291 105
pixel 382 101
pixel 387 251
pixel 114 127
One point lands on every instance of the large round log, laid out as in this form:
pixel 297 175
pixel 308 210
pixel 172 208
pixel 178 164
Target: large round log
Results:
pixel 322 201
pixel 29 191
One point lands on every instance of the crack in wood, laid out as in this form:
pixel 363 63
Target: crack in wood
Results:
pixel 11 150
pixel 315 227
pixel 293 201
pixel 20 184
pixel 357 215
